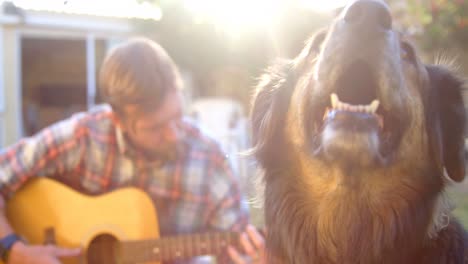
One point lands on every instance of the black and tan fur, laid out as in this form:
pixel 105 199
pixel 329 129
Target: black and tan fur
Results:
pixel 346 190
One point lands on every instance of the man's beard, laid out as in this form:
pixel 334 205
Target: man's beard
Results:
pixel 167 151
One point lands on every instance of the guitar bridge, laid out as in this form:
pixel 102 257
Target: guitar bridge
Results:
pixel 49 236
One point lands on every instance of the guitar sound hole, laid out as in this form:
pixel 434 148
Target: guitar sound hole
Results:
pixel 102 249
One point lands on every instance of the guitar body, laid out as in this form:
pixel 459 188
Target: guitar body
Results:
pixel 36 212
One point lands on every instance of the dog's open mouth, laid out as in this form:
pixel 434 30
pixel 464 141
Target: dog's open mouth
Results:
pixel 354 101
pixel 355 112
pixel 368 111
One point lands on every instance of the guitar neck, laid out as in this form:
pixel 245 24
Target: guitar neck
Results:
pixel 177 247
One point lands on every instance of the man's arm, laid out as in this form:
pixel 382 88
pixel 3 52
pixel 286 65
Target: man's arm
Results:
pixel 54 150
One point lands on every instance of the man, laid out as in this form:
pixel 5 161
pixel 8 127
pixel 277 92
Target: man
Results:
pixel 139 139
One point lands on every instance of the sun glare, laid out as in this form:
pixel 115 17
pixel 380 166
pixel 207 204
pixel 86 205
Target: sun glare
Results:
pixel 239 16
pixel 323 5
pixel 236 16
pixel 232 16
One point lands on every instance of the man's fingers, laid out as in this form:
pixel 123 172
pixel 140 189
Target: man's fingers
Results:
pixel 247 245
pixel 55 261
pixel 66 252
pixel 256 237
pixel 235 255
pixel 253 244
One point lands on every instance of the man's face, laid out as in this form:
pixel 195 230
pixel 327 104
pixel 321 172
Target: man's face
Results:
pixel 156 132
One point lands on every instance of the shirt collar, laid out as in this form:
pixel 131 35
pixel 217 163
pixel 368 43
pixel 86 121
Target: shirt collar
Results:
pixel 121 142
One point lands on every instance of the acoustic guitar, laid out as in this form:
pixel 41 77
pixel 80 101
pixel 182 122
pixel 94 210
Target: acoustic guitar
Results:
pixel 117 227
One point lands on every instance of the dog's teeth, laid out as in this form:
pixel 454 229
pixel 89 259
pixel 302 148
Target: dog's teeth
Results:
pixel 339 105
pixel 346 107
pixel 334 100
pixel 367 109
pixel 373 106
pixel 325 116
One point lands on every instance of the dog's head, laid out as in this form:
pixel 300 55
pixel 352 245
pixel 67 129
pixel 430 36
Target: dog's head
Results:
pixel 356 122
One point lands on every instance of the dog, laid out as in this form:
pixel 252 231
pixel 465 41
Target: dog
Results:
pixel 357 139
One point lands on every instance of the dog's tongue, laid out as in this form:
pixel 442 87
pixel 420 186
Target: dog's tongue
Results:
pixel 353 121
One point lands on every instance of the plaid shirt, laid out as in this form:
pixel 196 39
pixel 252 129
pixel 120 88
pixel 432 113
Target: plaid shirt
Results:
pixel 194 191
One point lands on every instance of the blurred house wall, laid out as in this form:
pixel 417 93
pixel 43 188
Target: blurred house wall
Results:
pixel 17 26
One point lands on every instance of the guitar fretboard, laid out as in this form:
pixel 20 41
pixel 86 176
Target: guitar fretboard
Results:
pixel 177 247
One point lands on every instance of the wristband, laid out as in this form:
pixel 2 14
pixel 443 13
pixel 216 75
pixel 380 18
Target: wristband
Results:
pixel 5 245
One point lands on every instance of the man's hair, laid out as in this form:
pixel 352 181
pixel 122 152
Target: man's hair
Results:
pixel 137 72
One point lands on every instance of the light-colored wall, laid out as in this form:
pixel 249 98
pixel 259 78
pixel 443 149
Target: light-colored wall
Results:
pixel 41 24
pixel 11 120
pixel 2 90
pixel 11 65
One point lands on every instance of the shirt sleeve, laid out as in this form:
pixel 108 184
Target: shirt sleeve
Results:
pixel 54 150
pixel 231 210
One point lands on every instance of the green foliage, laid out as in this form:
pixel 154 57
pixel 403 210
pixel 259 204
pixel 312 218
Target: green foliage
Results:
pixel 442 23
pixel 459 197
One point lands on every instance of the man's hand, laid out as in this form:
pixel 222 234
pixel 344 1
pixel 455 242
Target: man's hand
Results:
pixel 254 246
pixel 31 254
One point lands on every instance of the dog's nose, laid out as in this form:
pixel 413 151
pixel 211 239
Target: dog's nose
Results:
pixel 369 15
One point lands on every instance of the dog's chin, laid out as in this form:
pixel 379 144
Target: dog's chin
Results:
pixel 353 142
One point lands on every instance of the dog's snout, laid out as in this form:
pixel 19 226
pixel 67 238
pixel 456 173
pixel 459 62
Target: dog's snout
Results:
pixel 369 15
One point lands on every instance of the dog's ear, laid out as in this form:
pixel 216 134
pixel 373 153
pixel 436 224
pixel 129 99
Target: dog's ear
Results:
pixel 268 113
pixel 446 121
pixel 271 102
pixel 314 44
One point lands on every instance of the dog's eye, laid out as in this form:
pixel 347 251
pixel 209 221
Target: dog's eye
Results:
pixel 407 52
